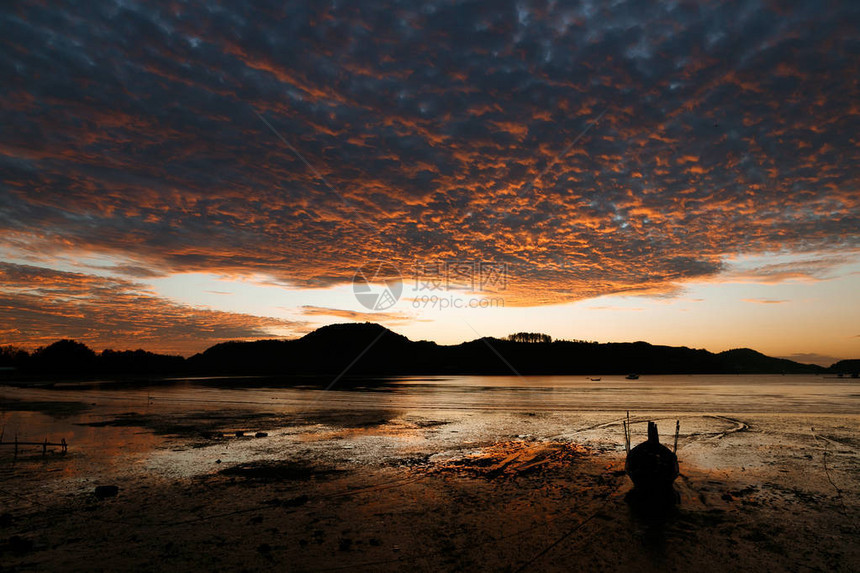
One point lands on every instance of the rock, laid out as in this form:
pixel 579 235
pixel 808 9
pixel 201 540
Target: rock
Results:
pixel 217 461
pixel 105 491
pixel 261 435
pixel 240 434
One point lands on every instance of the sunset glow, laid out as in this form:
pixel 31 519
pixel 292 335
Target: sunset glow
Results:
pixel 178 175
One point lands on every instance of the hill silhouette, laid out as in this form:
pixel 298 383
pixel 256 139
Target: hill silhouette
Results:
pixel 850 367
pixel 371 349
pixel 69 359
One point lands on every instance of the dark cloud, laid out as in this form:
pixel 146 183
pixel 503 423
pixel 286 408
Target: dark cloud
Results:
pixel 130 130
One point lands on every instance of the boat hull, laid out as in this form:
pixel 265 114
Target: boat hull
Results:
pixel 651 465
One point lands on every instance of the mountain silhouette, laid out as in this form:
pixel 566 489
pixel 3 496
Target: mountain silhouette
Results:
pixel 370 349
pixel 851 367
pixel 366 348
pixel 747 361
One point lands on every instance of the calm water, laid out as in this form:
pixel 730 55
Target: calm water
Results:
pixel 83 415
pixel 695 393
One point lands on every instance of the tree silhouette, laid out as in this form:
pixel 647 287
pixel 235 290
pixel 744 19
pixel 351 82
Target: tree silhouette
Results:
pixel 530 337
pixel 65 356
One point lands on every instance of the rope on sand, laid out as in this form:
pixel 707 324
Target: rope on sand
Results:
pixel 827 470
pixel 570 532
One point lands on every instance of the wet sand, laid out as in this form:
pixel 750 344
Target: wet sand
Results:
pixel 391 488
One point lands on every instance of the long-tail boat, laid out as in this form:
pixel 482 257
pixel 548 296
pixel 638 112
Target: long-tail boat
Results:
pixel 651 465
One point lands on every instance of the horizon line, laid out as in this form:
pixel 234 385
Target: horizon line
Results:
pixel 33 349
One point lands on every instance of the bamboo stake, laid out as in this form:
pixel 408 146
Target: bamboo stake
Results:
pixel 624 426
pixel 677 429
pixel 629 432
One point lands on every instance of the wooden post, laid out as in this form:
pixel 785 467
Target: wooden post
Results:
pixel 45 446
pixel 677 429
pixel 64 444
pixel 629 432
pixel 627 437
pixel 624 427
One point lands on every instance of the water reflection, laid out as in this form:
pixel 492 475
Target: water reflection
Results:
pixel 115 424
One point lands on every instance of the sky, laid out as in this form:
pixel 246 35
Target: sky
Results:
pixel 176 174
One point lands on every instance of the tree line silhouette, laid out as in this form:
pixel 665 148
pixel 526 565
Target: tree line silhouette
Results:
pixel 530 337
pixel 370 349
pixel 72 358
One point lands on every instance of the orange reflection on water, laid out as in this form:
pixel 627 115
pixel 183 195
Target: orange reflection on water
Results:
pixel 92 449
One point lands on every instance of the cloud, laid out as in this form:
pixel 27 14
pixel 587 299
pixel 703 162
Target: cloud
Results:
pixel 39 306
pixel 804 268
pixel 378 317
pixel 134 271
pixel 764 300
pixel 812 358
pixel 433 132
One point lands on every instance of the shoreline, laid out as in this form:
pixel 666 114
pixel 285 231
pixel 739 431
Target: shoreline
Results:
pixel 439 491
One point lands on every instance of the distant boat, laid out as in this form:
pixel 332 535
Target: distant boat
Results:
pixel 651 465
pixel 633 377
pixel 595 379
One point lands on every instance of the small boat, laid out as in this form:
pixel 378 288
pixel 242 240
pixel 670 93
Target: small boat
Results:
pixel 651 465
pixel 595 379
pixel 633 377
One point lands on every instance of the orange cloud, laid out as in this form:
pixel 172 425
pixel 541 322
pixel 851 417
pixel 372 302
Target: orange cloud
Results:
pixel 39 306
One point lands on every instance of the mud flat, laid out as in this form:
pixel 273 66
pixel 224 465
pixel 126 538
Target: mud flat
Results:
pixel 390 488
